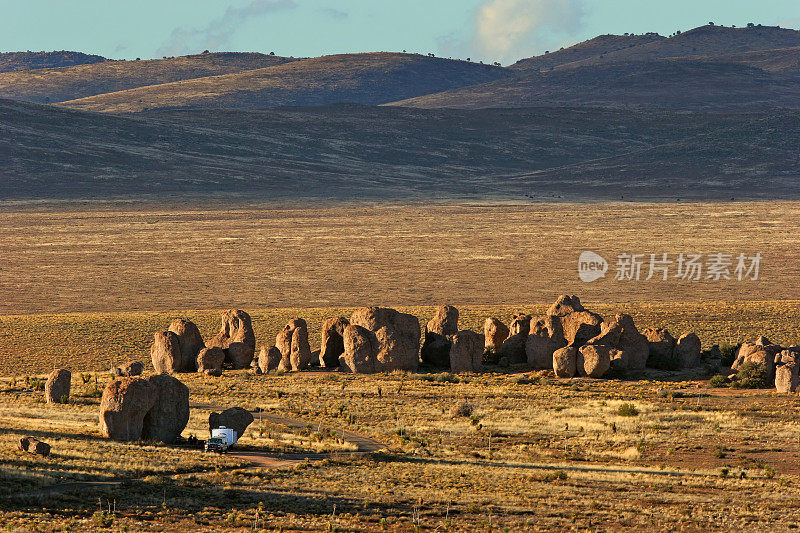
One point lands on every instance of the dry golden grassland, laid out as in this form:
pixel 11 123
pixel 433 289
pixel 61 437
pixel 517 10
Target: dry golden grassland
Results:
pixel 535 453
pixel 86 288
pixel 105 258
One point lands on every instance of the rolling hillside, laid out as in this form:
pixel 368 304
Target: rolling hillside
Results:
pixel 596 47
pixel 68 83
pixel 667 84
pixel 372 78
pixel 702 41
pixel 16 61
pixel 349 152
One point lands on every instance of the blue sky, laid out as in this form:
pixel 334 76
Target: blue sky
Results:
pixel 489 30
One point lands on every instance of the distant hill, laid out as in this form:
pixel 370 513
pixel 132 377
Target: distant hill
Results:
pixel 349 152
pixel 371 78
pixel 598 46
pixel 68 83
pixel 15 61
pixel 703 41
pixel 778 60
pixel 669 84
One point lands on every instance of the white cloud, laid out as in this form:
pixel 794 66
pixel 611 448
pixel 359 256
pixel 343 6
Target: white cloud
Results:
pixel 512 29
pixel 219 31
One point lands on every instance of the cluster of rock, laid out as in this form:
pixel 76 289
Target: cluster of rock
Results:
pixel 574 341
pixel 134 408
pixel 128 370
pixel 781 364
pixel 181 347
pixel 34 446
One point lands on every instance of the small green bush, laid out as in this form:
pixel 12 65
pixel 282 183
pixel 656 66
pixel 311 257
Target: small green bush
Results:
pixel 627 409
pixel 729 352
pixel 752 376
pixel 719 381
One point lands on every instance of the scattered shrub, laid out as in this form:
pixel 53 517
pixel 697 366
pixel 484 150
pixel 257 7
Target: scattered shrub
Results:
pixel 719 381
pixel 627 409
pixel 729 352
pixel 751 376
pixel 461 409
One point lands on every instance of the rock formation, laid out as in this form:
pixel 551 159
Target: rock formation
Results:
pixel 332 344
pixel 57 387
pixel 466 351
pixel 236 338
pixel 165 352
pixel 436 346
pixel 385 340
pixel 270 358
pixel 292 341
pixel 191 342
pixel 123 406
pixel 210 360
pixel 495 333
pixel 234 418
pixel 168 417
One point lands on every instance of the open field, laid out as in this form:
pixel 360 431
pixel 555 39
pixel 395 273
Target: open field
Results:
pixel 534 454
pixel 108 258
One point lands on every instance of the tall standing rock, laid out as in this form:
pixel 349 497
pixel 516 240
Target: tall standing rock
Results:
pixel 436 346
pixel 494 333
pixel 687 350
pixel 786 372
pixel 165 352
pixel 544 338
pixel 168 417
pixel 466 352
pixel 191 342
pixel 514 345
pixel 633 345
pixel 395 335
pixel 292 341
pixel 565 361
pixel 236 338
pixel 57 387
pixel 123 406
pixel 577 324
pixel 359 350
pixel 332 345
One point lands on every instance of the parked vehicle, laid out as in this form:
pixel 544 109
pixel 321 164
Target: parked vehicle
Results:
pixel 222 439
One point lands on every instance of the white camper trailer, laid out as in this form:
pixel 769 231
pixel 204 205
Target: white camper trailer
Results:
pixel 221 440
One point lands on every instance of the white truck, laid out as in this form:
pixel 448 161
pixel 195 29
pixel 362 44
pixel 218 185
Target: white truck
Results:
pixel 222 439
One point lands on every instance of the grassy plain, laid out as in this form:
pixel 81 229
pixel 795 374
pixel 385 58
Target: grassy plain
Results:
pixel 85 290
pixel 535 453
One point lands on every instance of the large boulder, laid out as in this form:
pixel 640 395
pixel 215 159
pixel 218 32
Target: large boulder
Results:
pixel 520 324
pixel 191 342
pixel 123 406
pixel 594 360
pixel 165 352
pixel 332 345
pixel 168 417
pixel 210 360
pixel 514 345
pixel 236 338
pixel 234 418
pixel 130 369
pixel 269 358
pixel 786 372
pixel 494 333
pixel 57 387
pixel 577 324
pixel 359 350
pixel 662 349
pixel 396 337
pixel 687 350
pixel 436 346
pixel 565 361
pixel 466 351
pixel 544 338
